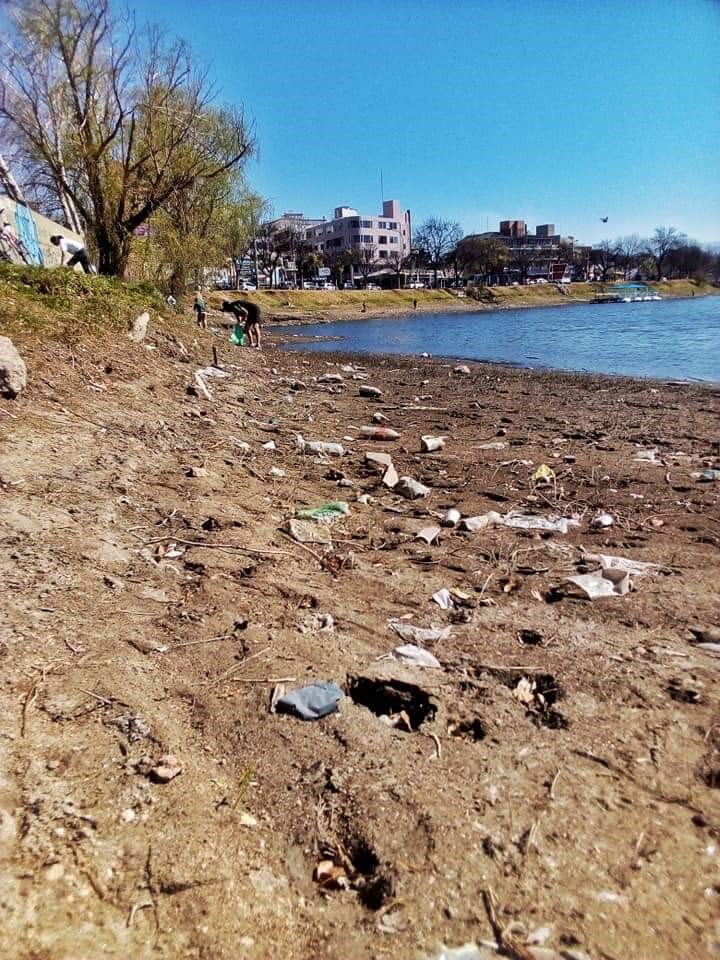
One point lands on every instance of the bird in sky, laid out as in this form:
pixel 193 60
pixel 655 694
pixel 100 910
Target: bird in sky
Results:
pixel 604 219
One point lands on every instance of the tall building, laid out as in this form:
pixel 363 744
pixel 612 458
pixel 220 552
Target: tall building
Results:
pixel 386 234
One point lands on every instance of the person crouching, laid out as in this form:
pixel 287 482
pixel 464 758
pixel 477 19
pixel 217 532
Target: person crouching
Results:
pixel 248 313
pixel 75 251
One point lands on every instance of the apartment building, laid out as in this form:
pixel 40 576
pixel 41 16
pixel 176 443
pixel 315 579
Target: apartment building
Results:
pixel 386 234
pixel 544 254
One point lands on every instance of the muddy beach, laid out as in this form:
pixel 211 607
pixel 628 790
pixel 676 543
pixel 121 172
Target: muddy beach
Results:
pixel 549 790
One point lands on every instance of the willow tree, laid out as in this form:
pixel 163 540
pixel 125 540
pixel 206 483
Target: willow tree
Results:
pixel 121 123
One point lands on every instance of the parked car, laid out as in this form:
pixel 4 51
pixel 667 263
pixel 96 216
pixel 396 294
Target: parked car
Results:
pixel 348 285
pixel 246 285
pixel 309 285
pixel 372 286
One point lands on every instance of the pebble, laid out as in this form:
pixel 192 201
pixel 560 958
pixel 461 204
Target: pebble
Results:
pixel 166 769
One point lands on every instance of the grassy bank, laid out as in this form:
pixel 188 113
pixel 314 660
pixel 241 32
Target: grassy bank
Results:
pixel 65 305
pixel 316 304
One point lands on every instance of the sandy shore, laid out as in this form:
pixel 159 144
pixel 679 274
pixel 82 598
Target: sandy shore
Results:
pixel 563 758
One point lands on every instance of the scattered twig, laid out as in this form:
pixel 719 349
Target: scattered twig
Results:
pixel 508 942
pixel 29 700
pixel 222 546
pixel 438 748
pixel 237 666
pixel 553 784
pixel 264 679
pixel 192 643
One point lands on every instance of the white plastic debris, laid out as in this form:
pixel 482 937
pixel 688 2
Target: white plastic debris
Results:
pixel 602 520
pixel 520 521
pixel 415 656
pixel 241 445
pixel 277 473
pixel 647 456
pixel 451 518
pixel 367 391
pixel 603 583
pixel 428 534
pixel 480 522
pixel 390 477
pixel 413 634
pixel 492 445
pixel 430 444
pixel 411 489
pixel 469 951
pixel 443 599
pixel 305 531
pixel 331 378
pixel 624 564
pixel 202 387
pixel 463 370
pixel 270 445
pixel 213 372
pixel 319 447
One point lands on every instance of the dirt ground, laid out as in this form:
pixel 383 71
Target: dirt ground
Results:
pixel 563 762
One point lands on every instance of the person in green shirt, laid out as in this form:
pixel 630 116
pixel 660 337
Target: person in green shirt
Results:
pixel 200 309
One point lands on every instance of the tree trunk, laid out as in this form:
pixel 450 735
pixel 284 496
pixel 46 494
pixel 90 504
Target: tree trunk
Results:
pixel 113 252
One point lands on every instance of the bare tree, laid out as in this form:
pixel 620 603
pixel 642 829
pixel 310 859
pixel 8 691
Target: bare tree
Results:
pixel 628 250
pixel 365 258
pixel 437 237
pixel 398 264
pixel 661 243
pixel 116 123
pixel 604 256
pixel 487 256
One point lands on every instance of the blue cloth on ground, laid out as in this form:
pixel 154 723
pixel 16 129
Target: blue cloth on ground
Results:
pixel 312 702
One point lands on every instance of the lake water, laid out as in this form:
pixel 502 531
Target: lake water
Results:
pixel 676 339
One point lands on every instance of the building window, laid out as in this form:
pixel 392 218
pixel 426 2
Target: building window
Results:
pixel 393 226
pixel 367 224
pixel 382 226
pixel 382 239
pixel 383 254
pixel 355 223
pixel 394 240
pixel 356 238
pixel 367 238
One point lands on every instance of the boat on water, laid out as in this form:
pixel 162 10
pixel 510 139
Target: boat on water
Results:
pixel 626 293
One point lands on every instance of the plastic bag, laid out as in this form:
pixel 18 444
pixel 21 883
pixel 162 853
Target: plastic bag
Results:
pixel 238 336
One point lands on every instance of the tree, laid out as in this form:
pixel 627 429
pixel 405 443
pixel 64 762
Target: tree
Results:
pixel 437 238
pixel 486 256
pixel 662 242
pixel 522 258
pixel 628 250
pixel 116 124
pixel 604 256
pixel 398 264
pixel 365 259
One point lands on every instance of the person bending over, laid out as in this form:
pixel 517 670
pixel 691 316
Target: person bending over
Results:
pixel 248 313
pixel 76 252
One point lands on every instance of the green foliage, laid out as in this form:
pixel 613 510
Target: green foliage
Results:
pixel 68 305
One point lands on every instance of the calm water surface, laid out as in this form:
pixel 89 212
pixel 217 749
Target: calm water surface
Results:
pixel 678 339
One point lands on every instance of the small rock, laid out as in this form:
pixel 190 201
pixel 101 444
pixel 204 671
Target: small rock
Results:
pixel 166 769
pixel 56 871
pixel 277 472
pixel 13 372
pixel 138 328
pixel 379 418
pixel 196 472
pixel 247 820
pixel 462 370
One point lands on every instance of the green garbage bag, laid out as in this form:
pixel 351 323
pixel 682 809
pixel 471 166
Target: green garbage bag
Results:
pixel 238 336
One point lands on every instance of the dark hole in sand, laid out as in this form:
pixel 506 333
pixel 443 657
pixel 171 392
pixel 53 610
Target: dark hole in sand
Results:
pixel 387 697
pixel 470 730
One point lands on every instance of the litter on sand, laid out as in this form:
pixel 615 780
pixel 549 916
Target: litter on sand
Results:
pixel 521 521
pixel 415 656
pixel 480 522
pixel 603 583
pixel 419 635
pixel 430 444
pixel 707 476
pixel 367 391
pixel 601 521
pixel 543 474
pixel 428 534
pixel 312 702
pixel 448 599
pixel 319 447
pixel 451 518
pixel 305 531
pixel 326 513
pixel 411 489
pixel 646 456
pixel 390 477
pixel 469 951
pixel 379 433
pixel 608 562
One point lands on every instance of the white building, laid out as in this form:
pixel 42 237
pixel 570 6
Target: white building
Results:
pixel 386 234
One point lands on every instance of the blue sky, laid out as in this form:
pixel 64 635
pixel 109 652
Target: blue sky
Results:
pixel 476 110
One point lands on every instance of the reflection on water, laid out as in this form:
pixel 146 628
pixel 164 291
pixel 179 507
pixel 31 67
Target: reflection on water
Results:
pixel 671 338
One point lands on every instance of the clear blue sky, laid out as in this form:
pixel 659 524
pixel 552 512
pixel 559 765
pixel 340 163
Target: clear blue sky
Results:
pixel 476 110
